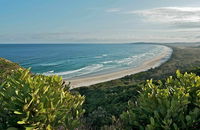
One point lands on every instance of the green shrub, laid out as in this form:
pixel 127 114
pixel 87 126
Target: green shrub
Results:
pixel 38 102
pixel 172 104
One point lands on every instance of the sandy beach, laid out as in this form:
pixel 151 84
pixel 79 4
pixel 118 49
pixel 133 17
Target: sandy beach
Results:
pixel 155 62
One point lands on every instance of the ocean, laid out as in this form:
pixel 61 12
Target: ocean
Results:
pixel 73 61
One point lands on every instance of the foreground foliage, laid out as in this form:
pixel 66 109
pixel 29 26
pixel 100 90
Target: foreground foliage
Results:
pixel 171 104
pixel 40 102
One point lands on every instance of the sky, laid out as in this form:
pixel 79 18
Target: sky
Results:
pixel 99 21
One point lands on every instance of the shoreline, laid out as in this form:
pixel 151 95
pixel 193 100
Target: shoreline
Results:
pixel 153 63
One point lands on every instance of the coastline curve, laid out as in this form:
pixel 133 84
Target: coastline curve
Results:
pixel 153 63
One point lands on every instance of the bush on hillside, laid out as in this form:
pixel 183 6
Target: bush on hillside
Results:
pixel 38 102
pixel 172 104
pixel 6 68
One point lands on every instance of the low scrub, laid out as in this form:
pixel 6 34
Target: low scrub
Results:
pixel 170 105
pixel 38 102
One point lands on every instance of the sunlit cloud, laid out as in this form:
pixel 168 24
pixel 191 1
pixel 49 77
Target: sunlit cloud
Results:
pixel 179 16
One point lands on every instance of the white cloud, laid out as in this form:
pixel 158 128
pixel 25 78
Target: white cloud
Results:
pixel 113 10
pixel 180 16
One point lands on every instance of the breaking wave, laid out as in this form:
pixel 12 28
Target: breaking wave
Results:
pixel 78 72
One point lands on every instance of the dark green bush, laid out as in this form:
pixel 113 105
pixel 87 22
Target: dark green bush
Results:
pixel 172 104
pixel 102 103
pixel 38 102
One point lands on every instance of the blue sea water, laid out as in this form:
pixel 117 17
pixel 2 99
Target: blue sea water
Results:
pixel 80 60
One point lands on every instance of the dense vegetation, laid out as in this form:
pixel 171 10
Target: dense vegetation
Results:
pixel 105 104
pixel 171 104
pixel 35 101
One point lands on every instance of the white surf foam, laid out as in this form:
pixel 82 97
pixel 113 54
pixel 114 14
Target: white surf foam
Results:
pixel 78 72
